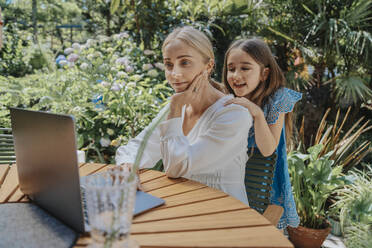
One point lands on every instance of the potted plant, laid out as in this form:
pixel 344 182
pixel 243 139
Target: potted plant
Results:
pixel 314 178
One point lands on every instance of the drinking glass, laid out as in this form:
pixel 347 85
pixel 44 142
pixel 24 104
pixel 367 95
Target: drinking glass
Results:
pixel 110 200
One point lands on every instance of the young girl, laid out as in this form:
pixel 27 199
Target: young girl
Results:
pixel 201 139
pixel 251 73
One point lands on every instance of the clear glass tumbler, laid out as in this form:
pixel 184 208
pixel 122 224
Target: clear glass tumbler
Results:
pixel 110 199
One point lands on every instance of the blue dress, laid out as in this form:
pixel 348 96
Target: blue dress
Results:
pixel 282 101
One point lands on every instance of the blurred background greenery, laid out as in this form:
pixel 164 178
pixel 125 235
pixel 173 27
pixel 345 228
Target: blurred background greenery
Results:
pixel 100 60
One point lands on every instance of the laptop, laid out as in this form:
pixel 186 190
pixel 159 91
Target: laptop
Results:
pixel 46 158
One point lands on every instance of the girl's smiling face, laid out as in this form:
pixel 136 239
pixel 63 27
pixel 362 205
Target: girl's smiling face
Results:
pixel 182 64
pixel 244 74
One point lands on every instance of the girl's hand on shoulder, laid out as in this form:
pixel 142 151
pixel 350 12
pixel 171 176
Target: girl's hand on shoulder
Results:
pixel 254 109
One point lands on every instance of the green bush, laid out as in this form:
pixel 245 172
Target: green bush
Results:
pixel 112 87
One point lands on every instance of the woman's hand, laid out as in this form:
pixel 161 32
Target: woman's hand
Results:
pixel 254 109
pixel 193 94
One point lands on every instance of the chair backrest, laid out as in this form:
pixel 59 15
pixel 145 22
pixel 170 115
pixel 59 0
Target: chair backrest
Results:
pixel 259 174
pixel 7 154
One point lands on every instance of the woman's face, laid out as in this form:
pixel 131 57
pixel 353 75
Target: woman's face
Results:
pixel 182 64
pixel 244 74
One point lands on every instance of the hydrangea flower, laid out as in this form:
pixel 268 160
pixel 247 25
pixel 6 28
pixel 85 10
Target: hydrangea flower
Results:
pixel 84 66
pixel 153 73
pixel 68 50
pixel 148 52
pixel 129 69
pixel 72 57
pixel 124 35
pixel 116 87
pixel 122 61
pixel 105 142
pixel 121 74
pixel 160 66
pixel 105 83
pixel 76 46
pixel 147 67
pixel 62 62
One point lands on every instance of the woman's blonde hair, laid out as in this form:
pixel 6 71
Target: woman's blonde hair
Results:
pixel 197 40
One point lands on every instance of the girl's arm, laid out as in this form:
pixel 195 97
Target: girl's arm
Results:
pixel 266 136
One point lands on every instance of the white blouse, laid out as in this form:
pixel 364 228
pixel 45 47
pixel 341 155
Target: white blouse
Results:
pixel 213 153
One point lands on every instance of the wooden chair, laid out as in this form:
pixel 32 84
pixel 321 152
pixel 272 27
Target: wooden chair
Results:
pixel 259 174
pixel 7 154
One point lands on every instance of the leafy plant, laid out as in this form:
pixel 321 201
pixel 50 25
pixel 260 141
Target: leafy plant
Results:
pixel 354 205
pixel 314 178
pixel 338 143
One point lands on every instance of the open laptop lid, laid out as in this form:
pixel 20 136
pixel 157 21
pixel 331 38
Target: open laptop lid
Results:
pixel 46 158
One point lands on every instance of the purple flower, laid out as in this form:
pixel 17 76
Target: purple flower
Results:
pixel 72 57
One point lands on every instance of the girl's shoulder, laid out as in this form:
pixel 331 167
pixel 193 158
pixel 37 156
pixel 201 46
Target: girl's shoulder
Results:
pixel 281 101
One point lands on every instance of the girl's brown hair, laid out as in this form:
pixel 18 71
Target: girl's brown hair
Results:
pixel 261 53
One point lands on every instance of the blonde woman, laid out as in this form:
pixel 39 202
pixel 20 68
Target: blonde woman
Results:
pixel 201 139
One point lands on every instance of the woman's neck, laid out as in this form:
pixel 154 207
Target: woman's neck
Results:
pixel 209 98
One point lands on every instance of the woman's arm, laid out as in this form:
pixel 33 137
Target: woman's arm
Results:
pixel 226 136
pixel 127 154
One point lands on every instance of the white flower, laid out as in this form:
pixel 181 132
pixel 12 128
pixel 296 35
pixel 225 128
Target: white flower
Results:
pixel 122 61
pixel 72 57
pixel 110 131
pixel 131 84
pixel 98 54
pixel 82 47
pixel 90 56
pixel 105 84
pixel 148 52
pixel 76 46
pixel 105 142
pixel 116 36
pixel 129 69
pixel 70 64
pixel 153 73
pixel 68 50
pixel 113 69
pixel 110 49
pixel 123 35
pixel 160 66
pixel 147 67
pixel 90 42
pixel 121 74
pixel 84 66
pixel 116 87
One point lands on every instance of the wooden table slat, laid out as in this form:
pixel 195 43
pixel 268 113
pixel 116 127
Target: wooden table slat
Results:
pixel 9 185
pixel 90 168
pixel 199 195
pixel 150 175
pixel 265 236
pixel 4 168
pixel 160 183
pixel 17 196
pixel 193 209
pixel 235 218
pixel 178 188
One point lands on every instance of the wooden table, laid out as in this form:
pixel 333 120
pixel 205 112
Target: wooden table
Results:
pixel 194 215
